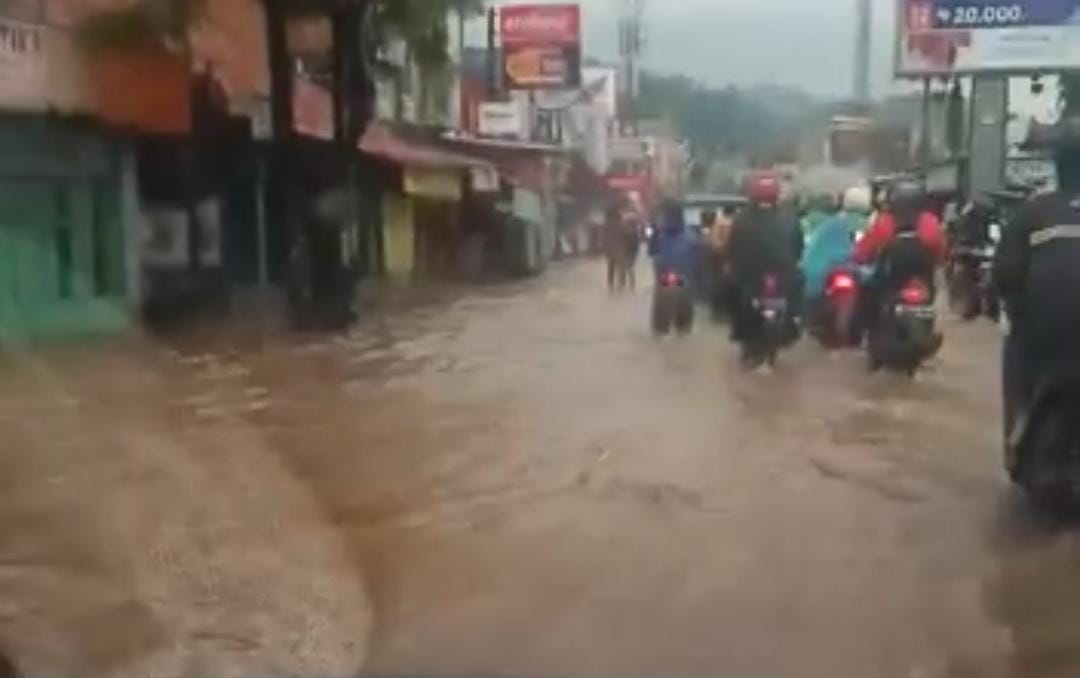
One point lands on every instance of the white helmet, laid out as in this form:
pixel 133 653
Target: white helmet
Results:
pixel 858 199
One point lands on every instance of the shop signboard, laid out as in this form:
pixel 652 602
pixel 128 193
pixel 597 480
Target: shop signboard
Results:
pixel 502 119
pixel 541 46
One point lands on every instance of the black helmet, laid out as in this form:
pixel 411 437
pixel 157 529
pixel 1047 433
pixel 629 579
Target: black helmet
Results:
pixel 905 193
pixel 906 200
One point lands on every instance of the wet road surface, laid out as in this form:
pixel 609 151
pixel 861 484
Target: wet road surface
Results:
pixel 523 482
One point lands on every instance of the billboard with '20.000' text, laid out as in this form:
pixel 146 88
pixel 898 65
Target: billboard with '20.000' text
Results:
pixel 541 46
pixel 941 37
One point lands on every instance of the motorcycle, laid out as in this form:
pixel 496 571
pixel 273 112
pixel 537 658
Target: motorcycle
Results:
pixel 1043 449
pixel 772 324
pixel 904 334
pixel 673 304
pixel 831 319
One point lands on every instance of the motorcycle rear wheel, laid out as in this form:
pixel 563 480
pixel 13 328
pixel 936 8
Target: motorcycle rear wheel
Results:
pixel 661 317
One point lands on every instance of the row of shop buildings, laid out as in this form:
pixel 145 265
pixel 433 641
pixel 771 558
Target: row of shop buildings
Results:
pixel 144 182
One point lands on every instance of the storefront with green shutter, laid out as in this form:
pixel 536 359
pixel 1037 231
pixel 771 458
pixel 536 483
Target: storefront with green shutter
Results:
pixel 62 238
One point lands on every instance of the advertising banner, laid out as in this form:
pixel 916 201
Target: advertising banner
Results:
pixel 502 119
pixel 942 37
pixel 541 46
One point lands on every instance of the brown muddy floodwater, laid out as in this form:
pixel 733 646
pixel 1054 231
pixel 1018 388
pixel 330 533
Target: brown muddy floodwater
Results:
pixel 519 481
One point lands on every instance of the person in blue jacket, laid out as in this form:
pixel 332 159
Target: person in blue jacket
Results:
pixel 673 248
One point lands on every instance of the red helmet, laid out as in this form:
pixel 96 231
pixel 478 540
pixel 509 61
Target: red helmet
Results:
pixel 762 187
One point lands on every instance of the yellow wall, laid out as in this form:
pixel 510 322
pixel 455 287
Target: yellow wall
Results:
pixel 399 235
pixel 433 183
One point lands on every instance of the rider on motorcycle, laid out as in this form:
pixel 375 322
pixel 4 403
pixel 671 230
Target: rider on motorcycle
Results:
pixel 765 240
pixel 818 209
pixel 831 245
pixel 905 241
pixel 674 249
pixel 1037 273
pixel 973 225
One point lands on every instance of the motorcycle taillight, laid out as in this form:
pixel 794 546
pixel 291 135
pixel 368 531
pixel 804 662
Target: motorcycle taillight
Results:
pixel 842 283
pixel 771 286
pixel 915 293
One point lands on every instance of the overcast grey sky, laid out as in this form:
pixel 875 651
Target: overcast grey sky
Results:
pixel 809 43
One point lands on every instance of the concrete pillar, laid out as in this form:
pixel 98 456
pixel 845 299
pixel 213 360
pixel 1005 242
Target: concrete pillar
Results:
pixel 987 144
pixel 133 224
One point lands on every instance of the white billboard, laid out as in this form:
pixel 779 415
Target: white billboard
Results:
pixel 943 37
pixel 502 119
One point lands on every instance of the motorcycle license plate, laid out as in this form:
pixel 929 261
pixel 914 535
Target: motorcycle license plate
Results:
pixel 916 312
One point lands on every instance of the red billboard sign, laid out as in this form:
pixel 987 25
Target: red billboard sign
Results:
pixel 542 68
pixel 541 46
pixel 540 25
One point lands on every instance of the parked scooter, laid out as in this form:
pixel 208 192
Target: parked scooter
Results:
pixel 673 304
pixel 1043 450
pixel 831 318
pixel 904 335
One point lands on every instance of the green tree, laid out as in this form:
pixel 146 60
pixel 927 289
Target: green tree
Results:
pixel 423 26
pixel 421 23
pixel 762 123
pixel 164 22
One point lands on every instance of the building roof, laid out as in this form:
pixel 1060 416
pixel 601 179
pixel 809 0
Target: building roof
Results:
pixel 524 164
pixel 382 142
pixel 481 144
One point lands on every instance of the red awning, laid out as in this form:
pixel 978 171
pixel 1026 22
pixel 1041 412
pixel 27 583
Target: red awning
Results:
pixel 381 142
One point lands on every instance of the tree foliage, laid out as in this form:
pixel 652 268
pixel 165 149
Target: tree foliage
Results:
pixel 758 122
pixel 145 22
pixel 422 24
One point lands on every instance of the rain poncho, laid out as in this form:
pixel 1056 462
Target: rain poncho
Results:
pixel 829 247
pixel 674 248
pixel 857 222
pixel 811 221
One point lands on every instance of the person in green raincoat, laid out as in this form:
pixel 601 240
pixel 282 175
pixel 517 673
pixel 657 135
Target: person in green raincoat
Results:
pixel 818 209
pixel 832 242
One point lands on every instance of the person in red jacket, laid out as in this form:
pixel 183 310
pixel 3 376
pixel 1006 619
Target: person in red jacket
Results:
pixel 928 229
pixel 905 241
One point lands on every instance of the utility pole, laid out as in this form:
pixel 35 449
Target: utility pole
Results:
pixel 861 72
pixel 925 136
pixel 631 41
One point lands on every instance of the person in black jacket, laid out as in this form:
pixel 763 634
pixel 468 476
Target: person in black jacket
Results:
pixel 765 240
pixel 1037 271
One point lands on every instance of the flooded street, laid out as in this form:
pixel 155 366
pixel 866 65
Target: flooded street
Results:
pixel 521 481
